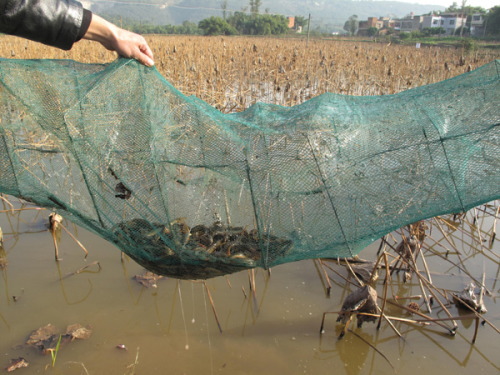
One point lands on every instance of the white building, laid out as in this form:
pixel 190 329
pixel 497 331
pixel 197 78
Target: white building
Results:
pixel 477 25
pixel 449 22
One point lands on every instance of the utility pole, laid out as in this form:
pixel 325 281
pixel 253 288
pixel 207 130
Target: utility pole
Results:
pixel 464 2
pixel 308 28
pixel 223 5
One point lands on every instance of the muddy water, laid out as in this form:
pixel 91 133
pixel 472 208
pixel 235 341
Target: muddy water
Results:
pixel 173 329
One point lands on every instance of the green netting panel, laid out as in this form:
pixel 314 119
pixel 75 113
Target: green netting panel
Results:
pixel 192 193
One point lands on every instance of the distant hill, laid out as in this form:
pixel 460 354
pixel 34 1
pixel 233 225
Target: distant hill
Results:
pixel 330 14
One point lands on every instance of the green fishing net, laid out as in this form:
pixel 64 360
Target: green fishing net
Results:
pixel 189 192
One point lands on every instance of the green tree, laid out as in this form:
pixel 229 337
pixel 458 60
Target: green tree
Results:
pixel 300 21
pixel 404 35
pixel 238 20
pixel 417 34
pixel 493 21
pixel 452 8
pixel 469 45
pixel 372 31
pixel 472 10
pixel 216 26
pixel 254 6
pixel 352 25
pixel 188 28
pixel 258 24
pixel 464 8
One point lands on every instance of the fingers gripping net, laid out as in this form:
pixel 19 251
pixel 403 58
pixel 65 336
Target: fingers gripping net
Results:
pixel 192 193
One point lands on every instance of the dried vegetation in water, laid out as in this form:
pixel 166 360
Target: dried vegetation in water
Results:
pixel 415 262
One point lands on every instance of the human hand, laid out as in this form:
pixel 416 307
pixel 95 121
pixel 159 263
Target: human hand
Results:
pixel 113 38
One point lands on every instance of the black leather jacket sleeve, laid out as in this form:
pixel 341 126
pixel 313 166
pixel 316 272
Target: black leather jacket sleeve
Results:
pixel 57 23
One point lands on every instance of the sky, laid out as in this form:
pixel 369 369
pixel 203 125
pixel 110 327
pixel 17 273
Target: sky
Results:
pixel 446 3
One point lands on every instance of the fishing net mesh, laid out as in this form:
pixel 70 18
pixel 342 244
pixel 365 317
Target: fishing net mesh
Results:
pixel 190 192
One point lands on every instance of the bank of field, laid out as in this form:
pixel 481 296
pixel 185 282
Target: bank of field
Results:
pixel 231 73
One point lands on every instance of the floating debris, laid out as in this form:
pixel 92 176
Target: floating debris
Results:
pixel 17 363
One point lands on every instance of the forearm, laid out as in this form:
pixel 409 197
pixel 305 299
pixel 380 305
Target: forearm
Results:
pixel 102 31
pixel 53 22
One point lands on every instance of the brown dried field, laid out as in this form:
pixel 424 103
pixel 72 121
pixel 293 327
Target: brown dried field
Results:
pixel 231 73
